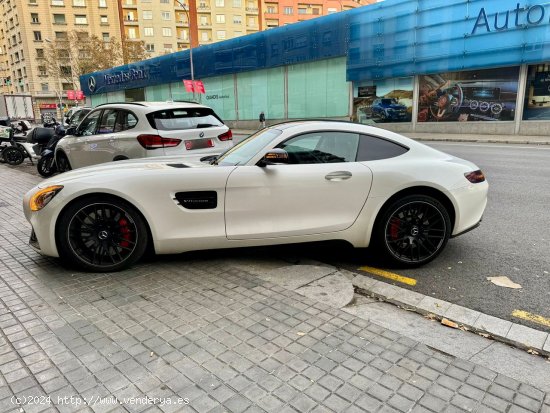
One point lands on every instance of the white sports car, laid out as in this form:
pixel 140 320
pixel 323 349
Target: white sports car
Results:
pixel 294 182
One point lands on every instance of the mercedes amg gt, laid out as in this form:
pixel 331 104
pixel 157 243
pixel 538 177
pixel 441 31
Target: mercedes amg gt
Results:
pixel 294 182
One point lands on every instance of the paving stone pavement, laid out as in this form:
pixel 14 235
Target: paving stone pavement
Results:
pixel 186 334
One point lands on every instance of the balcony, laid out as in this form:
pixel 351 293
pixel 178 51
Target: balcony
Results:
pixel 251 10
pixel 203 8
pixel 129 5
pixel 182 24
pixel 206 25
pixel 131 22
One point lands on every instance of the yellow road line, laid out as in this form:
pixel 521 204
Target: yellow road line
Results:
pixel 389 275
pixel 535 318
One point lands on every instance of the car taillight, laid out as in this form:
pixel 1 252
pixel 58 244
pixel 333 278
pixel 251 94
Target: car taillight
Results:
pixel 156 141
pixel 227 136
pixel 475 177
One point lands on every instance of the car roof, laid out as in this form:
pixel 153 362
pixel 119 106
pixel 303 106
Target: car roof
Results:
pixel 153 105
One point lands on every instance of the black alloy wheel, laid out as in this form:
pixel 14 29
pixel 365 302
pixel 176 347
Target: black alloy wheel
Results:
pixel 414 230
pixel 101 235
pixel 13 155
pixel 62 163
pixel 46 166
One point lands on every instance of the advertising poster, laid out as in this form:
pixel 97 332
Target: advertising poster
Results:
pixel 476 95
pixel 537 93
pixel 379 101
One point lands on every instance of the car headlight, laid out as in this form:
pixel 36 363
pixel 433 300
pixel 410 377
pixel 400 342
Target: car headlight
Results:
pixel 43 196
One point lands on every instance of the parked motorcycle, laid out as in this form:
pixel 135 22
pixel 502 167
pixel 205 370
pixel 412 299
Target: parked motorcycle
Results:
pixel 10 149
pixel 46 165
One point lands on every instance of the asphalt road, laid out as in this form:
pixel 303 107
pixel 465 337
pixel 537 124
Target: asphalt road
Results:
pixel 513 240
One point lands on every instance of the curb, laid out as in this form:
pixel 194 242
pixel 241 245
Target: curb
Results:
pixel 517 335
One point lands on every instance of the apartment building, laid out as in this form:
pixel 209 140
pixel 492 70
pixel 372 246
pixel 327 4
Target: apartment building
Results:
pixel 26 28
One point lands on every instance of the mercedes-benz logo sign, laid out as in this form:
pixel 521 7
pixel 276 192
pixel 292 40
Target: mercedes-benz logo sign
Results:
pixel 201 135
pixel 415 231
pixel 91 83
pixel 103 235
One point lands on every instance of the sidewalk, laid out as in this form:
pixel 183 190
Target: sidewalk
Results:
pixel 226 332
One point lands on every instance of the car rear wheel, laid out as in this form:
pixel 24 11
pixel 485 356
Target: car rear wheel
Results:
pixel 413 230
pixel 101 234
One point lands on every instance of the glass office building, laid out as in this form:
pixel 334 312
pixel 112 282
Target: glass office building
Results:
pixel 447 66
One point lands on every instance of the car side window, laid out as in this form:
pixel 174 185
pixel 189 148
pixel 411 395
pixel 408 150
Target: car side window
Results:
pixel 107 123
pixel 88 126
pixel 126 120
pixel 321 147
pixel 372 148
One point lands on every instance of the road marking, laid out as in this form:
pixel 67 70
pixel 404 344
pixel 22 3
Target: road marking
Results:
pixel 535 318
pixel 389 275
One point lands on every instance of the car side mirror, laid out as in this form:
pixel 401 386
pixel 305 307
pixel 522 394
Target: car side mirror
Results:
pixel 71 130
pixel 276 156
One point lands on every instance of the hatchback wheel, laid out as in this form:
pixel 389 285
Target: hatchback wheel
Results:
pixel 101 234
pixel 413 230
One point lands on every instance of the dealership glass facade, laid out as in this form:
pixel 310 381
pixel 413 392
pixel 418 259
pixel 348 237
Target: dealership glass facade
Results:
pixel 401 64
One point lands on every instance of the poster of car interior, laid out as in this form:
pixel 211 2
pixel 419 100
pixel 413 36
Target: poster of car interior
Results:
pixel 537 93
pixel 388 100
pixel 476 95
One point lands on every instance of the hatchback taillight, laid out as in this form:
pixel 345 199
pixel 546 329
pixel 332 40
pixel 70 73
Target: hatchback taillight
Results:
pixel 475 177
pixel 156 141
pixel 227 136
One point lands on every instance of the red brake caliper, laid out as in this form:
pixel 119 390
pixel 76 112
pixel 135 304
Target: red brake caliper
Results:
pixel 394 228
pixel 125 231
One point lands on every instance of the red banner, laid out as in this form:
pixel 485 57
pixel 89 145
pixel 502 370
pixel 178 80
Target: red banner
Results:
pixel 47 106
pixel 79 95
pixel 194 86
pixel 70 94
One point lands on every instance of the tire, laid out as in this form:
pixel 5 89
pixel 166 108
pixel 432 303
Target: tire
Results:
pixel 413 230
pixel 62 163
pixel 101 234
pixel 13 155
pixel 46 166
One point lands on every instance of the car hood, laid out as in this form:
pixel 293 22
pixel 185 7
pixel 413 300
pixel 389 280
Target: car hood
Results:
pixel 134 166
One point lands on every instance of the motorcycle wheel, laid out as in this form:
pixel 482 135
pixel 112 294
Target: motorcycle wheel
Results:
pixel 13 156
pixel 46 166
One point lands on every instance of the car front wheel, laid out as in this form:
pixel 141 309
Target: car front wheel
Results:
pixel 101 234
pixel 413 230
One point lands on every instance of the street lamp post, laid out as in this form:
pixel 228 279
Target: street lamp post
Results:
pixel 184 7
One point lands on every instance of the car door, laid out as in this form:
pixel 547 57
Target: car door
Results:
pixel 323 189
pixel 101 145
pixel 78 149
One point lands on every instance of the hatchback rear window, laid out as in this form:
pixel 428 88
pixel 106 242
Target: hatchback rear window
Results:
pixel 177 119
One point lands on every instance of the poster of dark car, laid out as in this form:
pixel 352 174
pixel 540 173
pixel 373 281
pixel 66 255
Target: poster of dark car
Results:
pixel 537 93
pixel 476 95
pixel 388 100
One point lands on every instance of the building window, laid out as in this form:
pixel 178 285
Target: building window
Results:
pixel 32 1
pixel 251 21
pixel 44 87
pixel 80 19
pixel 238 33
pixel 237 3
pixel 67 86
pixel 166 31
pixel 40 53
pixel 147 14
pixel 58 3
pixel 79 3
pixel 150 47
pixel 164 1
pixel 237 19
pixel 103 19
pixel 165 15
pixel 204 21
pixel 220 18
pixel 331 10
pixel 148 31
pixel 42 71
pixel 168 48
pixel 271 9
pixel 59 19
pixel 132 33
pixel 130 16
pixel 61 35
pixel 288 10
pixel 204 36
pixel 34 18
pixel 220 34
pixel 315 11
pixel 302 11
pixel 103 4
pixel 37 36
pixel 220 3
pixel 105 37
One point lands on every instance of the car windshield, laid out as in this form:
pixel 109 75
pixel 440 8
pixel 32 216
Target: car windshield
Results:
pixel 244 151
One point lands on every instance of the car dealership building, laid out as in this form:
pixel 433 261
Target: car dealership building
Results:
pixel 446 66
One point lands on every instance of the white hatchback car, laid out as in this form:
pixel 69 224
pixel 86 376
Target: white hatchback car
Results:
pixel 118 131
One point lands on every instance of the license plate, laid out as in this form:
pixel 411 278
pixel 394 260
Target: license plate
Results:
pixel 199 144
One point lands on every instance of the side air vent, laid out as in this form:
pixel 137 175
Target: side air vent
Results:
pixel 198 199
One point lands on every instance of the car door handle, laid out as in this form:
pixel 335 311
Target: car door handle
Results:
pixel 338 176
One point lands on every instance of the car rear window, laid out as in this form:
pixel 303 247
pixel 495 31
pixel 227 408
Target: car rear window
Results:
pixel 177 119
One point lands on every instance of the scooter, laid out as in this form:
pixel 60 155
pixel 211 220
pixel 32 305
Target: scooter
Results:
pixel 46 164
pixel 10 150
